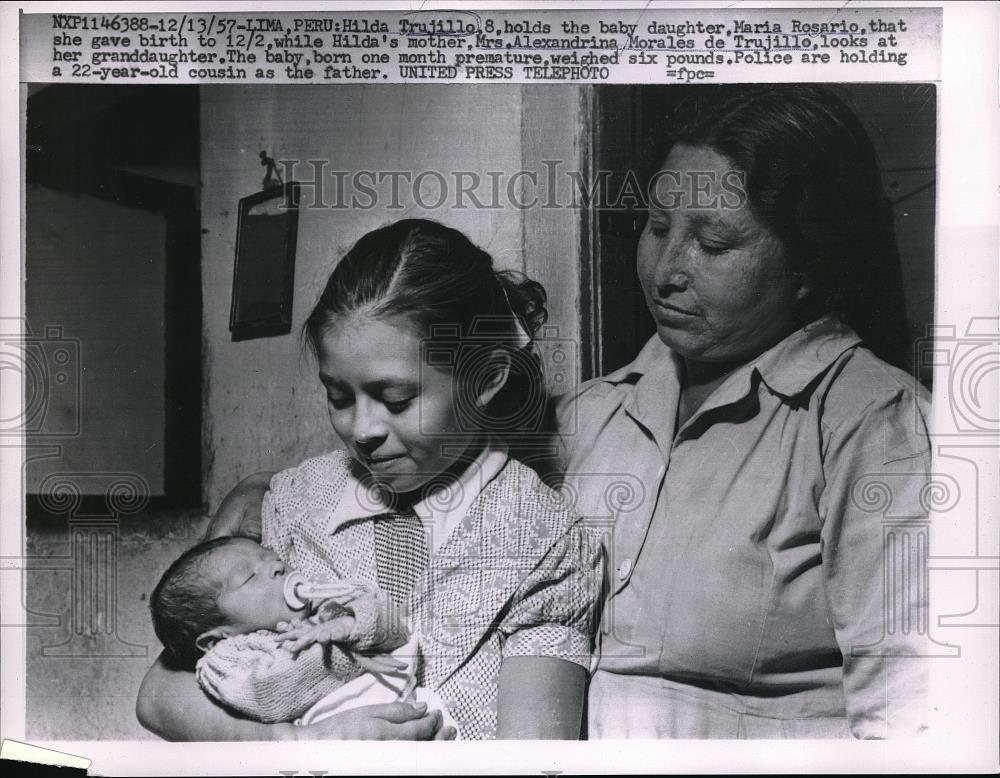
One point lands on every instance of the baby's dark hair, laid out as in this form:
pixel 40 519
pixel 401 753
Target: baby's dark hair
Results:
pixel 450 291
pixel 184 605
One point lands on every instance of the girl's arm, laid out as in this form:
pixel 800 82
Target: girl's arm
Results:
pixel 173 706
pixel 547 641
pixel 239 512
pixel 541 697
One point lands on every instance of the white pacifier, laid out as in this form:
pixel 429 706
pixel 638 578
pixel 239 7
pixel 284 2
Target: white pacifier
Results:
pixel 300 593
pixel 293 581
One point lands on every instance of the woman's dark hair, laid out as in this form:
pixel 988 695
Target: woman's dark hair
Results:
pixel 812 177
pixel 184 604
pixel 447 287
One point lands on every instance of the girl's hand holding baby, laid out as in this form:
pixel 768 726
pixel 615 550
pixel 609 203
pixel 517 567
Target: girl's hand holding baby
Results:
pixel 391 721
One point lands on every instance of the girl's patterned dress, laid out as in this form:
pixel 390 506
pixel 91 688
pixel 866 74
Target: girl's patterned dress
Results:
pixel 518 576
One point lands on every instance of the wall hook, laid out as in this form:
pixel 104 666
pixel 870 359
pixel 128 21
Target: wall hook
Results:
pixel 272 177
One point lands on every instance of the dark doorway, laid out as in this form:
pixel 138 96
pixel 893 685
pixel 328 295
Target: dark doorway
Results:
pixel 113 271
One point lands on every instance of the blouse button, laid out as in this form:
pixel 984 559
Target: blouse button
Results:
pixel 624 569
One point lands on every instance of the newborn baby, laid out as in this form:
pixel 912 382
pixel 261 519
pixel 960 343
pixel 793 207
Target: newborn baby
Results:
pixel 223 609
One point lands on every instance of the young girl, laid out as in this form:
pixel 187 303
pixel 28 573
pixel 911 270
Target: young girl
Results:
pixel 425 354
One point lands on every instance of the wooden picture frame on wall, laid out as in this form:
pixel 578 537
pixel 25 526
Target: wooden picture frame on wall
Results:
pixel 264 269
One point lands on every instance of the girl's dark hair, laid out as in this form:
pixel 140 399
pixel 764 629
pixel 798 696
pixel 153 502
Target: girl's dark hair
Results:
pixel 812 177
pixel 184 604
pixel 447 287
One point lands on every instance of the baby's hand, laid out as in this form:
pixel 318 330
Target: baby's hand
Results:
pixel 304 634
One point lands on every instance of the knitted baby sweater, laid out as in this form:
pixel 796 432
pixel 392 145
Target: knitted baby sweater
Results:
pixel 255 675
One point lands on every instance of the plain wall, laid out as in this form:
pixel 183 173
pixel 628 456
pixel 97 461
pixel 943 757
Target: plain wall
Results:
pixel 264 407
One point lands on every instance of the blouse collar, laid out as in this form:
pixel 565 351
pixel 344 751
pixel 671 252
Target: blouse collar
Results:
pixel 440 512
pixel 787 369
pixel 793 364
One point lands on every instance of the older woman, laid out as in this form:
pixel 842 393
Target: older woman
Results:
pixel 747 595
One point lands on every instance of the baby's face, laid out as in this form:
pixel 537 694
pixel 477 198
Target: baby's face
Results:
pixel 251 582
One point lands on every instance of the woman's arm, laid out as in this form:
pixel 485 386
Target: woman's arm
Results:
pixel 173 706
pixel 239 511
pixel 541 697
pixel 874 508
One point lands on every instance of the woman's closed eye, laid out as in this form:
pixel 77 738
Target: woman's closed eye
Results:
pixel 397 405
pixel 712 240
pixel 712 247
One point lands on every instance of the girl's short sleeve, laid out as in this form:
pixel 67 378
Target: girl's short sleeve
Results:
pixel 556 608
